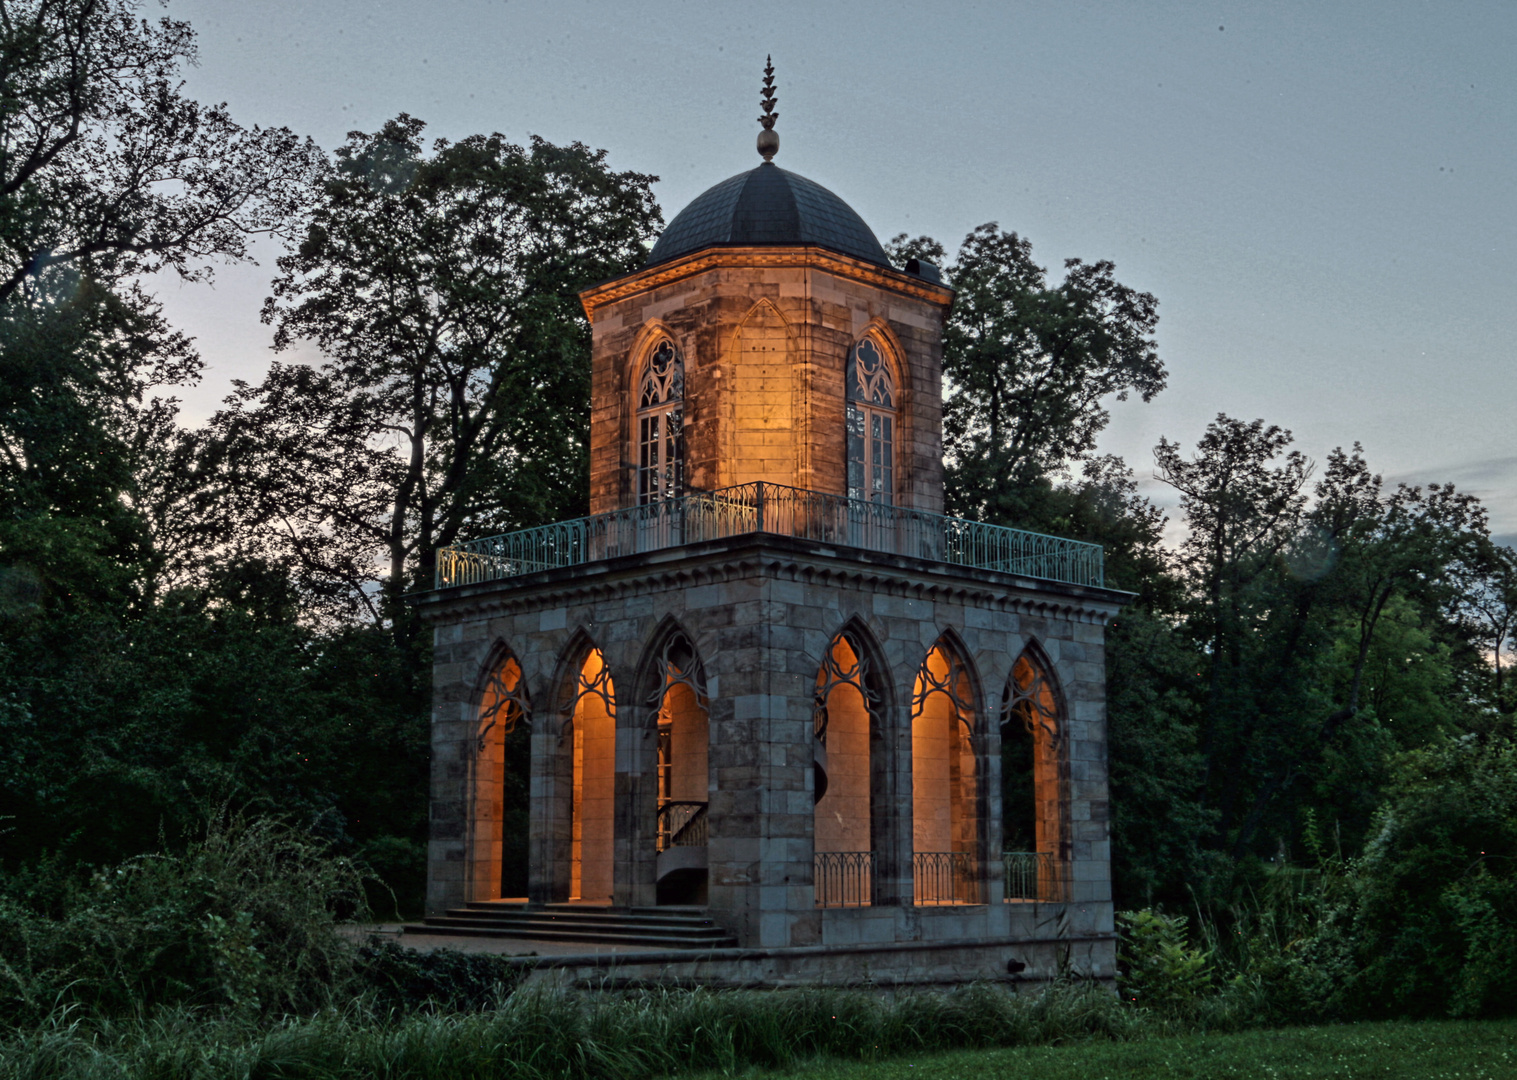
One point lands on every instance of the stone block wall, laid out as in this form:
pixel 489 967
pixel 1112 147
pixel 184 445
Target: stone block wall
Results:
pixel 761 610
pixel 765 334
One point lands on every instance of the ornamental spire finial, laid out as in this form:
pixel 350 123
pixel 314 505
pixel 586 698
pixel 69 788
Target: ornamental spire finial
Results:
pixel 768 139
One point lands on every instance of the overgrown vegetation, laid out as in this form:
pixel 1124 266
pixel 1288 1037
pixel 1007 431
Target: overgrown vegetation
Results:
pixel 544 1033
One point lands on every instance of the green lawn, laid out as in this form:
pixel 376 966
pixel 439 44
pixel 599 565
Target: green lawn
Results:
pixel 1435 1050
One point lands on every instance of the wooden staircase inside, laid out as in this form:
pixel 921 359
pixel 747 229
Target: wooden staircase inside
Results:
pixel 660 927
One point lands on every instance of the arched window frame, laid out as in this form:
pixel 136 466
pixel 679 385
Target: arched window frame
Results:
pixel 503 701
pixel 502 708
pixel 872 421
pixel 660 417
pixel 680 820
pixel 1036 703
pixel 952 877
pixel 863 877
pixel 1034 707
pixel 562 856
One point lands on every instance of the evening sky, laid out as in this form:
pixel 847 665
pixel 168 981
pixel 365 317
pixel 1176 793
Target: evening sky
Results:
pixel 1322 196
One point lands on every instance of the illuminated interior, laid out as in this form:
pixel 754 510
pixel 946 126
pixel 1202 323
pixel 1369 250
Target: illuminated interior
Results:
pixel 944 788
pixel 502 783
pixel 842 822
pixel 1031 777
pixel 592 810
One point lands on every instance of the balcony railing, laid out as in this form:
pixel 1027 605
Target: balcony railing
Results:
pixel 944 877
pixel 843 878
pixel 780 510
pixel 1035 875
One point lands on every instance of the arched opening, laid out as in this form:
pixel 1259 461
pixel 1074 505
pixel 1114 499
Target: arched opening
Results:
pixel 503 746
pixel 945 796
pixel 592 816
pixel 679 706
pixel 847 704
pixel 871 424
pixel 660 425
pixel 1034 832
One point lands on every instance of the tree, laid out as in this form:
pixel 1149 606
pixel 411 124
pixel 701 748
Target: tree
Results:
pixel 108 173
pixel 1028 367
pixel 127 704
pixel 1242 513
pixel 1485 604
pixel 105 165
pixel 453 398
pixel 1293 603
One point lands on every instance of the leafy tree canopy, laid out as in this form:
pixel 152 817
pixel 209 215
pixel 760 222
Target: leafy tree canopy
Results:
pixel 441 289
pixel 1029 366
pixel 104 161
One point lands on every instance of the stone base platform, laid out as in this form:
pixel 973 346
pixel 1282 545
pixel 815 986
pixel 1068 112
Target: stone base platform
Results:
pixel 887 966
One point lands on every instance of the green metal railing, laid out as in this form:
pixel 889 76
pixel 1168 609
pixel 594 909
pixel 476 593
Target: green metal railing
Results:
pixel 771 508
pixel 1034 875
pixel 843 878
pixel 944 877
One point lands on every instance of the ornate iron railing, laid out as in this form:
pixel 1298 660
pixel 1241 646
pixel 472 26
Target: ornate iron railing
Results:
pixel 1035 875
pixel 771 508
pixel 843 878
pixel 944 877
pixel 682 824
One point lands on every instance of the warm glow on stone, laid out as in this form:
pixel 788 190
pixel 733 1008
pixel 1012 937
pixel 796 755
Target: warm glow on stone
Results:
pixel 593 810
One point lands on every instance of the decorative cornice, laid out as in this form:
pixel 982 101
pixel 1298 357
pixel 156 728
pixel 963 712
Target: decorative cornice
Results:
pixel 800 256
pixel 1026 597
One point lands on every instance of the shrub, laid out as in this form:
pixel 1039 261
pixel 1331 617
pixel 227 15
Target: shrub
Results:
pixel 444 980
pixel 246 919
pixel 1160 969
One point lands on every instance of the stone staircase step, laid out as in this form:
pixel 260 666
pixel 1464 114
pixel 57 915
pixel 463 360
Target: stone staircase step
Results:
pixel 605 927
pixel 670 928
pixel 553 917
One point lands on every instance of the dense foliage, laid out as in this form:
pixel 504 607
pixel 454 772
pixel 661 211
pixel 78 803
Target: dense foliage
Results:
pixel 442 290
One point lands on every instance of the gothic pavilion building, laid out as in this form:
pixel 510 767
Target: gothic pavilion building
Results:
pixel 773 710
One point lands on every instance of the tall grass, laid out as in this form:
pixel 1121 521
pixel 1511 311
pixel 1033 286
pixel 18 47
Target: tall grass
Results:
pixel 536 1034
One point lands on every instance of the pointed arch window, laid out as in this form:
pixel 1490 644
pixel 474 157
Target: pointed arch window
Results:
pixel 944 782
pixel 660 425
pixel 1035 832
pixel 499 825
pixel 590 769
pixel 847 774
pixel 680 708
pixel 871 422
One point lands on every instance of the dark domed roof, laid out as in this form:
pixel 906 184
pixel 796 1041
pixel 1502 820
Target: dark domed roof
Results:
pixel 768 205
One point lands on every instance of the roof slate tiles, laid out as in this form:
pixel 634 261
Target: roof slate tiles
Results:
pixel 768 205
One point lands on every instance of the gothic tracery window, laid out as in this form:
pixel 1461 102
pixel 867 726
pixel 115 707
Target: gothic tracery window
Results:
pixel 1034 832
pixel 590 728
pixel 660 419
pixel 502 781
pixel 944 782
pixel 680 706
pixel 871 421
pixel 847 702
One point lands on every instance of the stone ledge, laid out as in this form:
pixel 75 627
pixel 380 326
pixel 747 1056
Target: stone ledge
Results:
pixel 747 257
pixel 781 558
pixel 790 952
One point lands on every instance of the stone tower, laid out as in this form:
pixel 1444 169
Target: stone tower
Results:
pixel 767 681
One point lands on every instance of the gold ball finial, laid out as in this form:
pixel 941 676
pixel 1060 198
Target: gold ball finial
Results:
pixel 768 139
